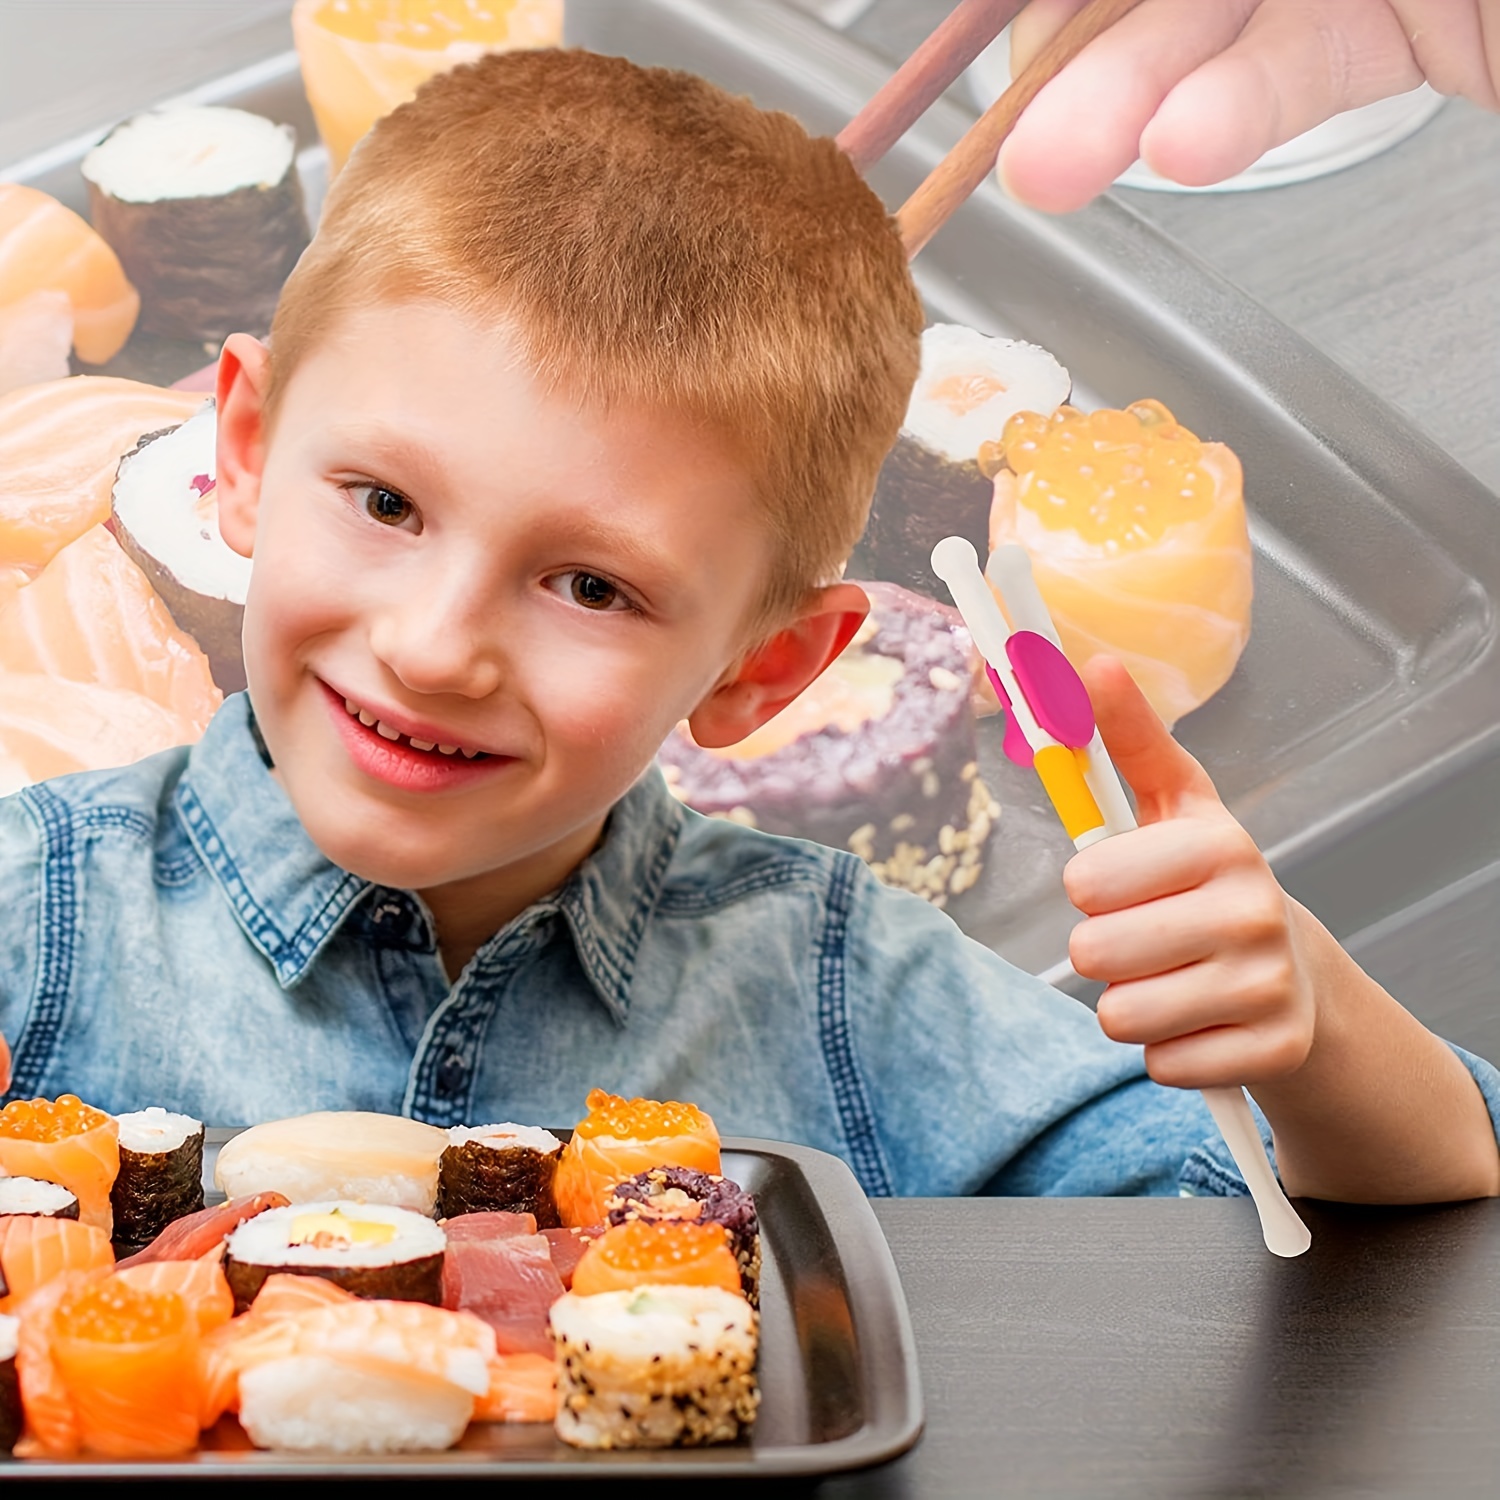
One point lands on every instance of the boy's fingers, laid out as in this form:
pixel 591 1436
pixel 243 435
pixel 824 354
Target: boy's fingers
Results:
pixel 1154 861
pixel 1294 65
pixel 1196 997
pixel 1223 1056
pixel 1166 780
pixel 1084 128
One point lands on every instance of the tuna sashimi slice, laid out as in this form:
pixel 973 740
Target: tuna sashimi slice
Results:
pixel 493 1225
pixel 568 1247
pixel 91 616
pixel 511 1283
pixel 60 444
pixel 195 1235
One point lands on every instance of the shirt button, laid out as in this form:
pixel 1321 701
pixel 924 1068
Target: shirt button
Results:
pixel 451 1075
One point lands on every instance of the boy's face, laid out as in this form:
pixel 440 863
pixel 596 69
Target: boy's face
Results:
pixel 446 549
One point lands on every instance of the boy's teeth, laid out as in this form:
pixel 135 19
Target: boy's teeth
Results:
pixel 447 749
pixel 385 731
pixel 470 754
pixel 366 718
pixel 351 705
pixel 423 744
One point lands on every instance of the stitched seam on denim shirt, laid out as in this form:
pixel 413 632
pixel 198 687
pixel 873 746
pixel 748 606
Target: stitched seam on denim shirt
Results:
pixel 849 1092
pixel 1200 1170
pixel 685 903
pixel 56 942
pixel 126 818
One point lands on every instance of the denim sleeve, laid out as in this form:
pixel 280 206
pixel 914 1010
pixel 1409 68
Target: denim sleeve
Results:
pixel 20 913
pixel 1487 1076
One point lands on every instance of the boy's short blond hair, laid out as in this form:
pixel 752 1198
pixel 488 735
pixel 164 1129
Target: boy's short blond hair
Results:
pixel 654 240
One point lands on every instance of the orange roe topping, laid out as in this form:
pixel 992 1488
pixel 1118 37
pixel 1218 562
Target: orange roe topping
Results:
pixel 114 1312
pixel 640 1119
pixel 640 1253
pixel 50 1120
pixel 1121 478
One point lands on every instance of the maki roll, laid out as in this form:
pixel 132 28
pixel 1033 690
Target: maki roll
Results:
pixel 676 1195
pixel 877 756
pixel 164 512
pixel 931 485
pixel 30 1196
pixel 367 1249
pixel 204 207
pixel 499 1168
pixel 66 1141
pixel 652 1368
pixel 161 1174
pixel 12 1418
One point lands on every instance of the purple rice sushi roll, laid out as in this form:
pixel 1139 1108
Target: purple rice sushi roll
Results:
pixel 682 1195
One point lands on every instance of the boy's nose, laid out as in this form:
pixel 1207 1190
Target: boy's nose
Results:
pixel 435 643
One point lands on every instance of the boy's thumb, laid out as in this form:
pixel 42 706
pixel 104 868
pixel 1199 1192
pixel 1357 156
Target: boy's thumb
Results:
pixel 1166 780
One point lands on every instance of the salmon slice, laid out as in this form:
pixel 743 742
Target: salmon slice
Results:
pixel 35 1251
pixel 639 1253
pixel 65 1141
pixel 201 1234
pixel 523 1388
pixel 45 245
pixel 52 1429
pixel 91 616
pixel 50 727
pixel 200 1283
pixel 35 335
pixel 621 1137
pixel 60 444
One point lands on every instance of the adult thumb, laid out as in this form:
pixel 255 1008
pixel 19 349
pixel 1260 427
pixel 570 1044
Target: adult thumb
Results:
pixel 1166 780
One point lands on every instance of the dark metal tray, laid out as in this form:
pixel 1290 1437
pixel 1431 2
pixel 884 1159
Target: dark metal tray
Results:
pixel 838 1370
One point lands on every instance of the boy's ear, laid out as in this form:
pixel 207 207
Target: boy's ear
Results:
pixel 239 399
pixel 769 677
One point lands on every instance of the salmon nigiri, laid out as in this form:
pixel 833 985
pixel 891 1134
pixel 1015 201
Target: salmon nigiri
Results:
pixel 200 1283
pixel 36 1250
pixel 45 245
pixel 91 616
pixel 60 444
pixel 620 1137
pixel 67 1141
pixel 640 1253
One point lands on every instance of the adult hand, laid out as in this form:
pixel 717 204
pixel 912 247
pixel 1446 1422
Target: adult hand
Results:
pixel 1200 89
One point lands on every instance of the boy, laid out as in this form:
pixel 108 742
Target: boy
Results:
pixel 570 414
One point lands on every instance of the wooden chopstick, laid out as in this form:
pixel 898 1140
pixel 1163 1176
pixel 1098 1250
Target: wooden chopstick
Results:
pixel 972 159
pixel 909 92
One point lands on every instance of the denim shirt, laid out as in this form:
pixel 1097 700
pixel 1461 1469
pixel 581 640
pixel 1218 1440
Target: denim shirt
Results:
pixel 170 935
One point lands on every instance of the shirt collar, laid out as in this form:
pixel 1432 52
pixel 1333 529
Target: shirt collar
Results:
pixel 290 898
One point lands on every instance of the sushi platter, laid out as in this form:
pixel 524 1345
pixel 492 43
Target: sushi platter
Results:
pixel 834 1382
pixel 1358 683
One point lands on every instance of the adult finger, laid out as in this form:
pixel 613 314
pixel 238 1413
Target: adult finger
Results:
pixel 1295 64
pixel 1166 780
pixel 1084 128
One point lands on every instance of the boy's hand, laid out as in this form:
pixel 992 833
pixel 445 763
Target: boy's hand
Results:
pixel 1185 923
pixel 1201 88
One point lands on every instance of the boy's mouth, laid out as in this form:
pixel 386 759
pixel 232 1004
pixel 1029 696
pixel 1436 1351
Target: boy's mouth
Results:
pixel 388 732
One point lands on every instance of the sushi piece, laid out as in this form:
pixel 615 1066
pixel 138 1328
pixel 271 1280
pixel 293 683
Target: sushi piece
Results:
pixel 60 444
pixel 35 1251
pixel 46 247
pixel 504 1277
pixel 352 1154
pixel 32 1197
pixel 667 1195
pixel 204 208
pixel 1138 541
pixel 931 485
pixel 161 1174
pixel 569 1246
pixel 65 1141
pixel 197 1235
pixel 509 1168
pixel 639 1253
pixel 361 58
pixel 369 1249
pixel 877 756
pixel 652 1368
pixel 128 1359
pixel 36 333
pixel 165 514
pixel 620 1137
pixel 523 1388
pixel 200 1283
pixel 12 1418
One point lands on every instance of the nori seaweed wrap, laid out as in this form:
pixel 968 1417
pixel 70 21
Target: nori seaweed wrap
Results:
pixel 666 1195
pixel 12 1418
pixel 368 1249
pixel 931 484
pixel 161 1174
pixel 877 756
pixel 204 207
pixel 499 1168
pixel 35 1197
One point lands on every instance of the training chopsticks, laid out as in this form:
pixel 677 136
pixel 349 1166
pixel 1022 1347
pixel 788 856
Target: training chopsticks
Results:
pixel 963 35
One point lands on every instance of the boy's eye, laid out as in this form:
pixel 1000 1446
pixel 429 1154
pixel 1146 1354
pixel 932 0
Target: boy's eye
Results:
pixel 591 591
pixel 385 505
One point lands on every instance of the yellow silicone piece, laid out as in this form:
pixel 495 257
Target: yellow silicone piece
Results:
pixel 1063 778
